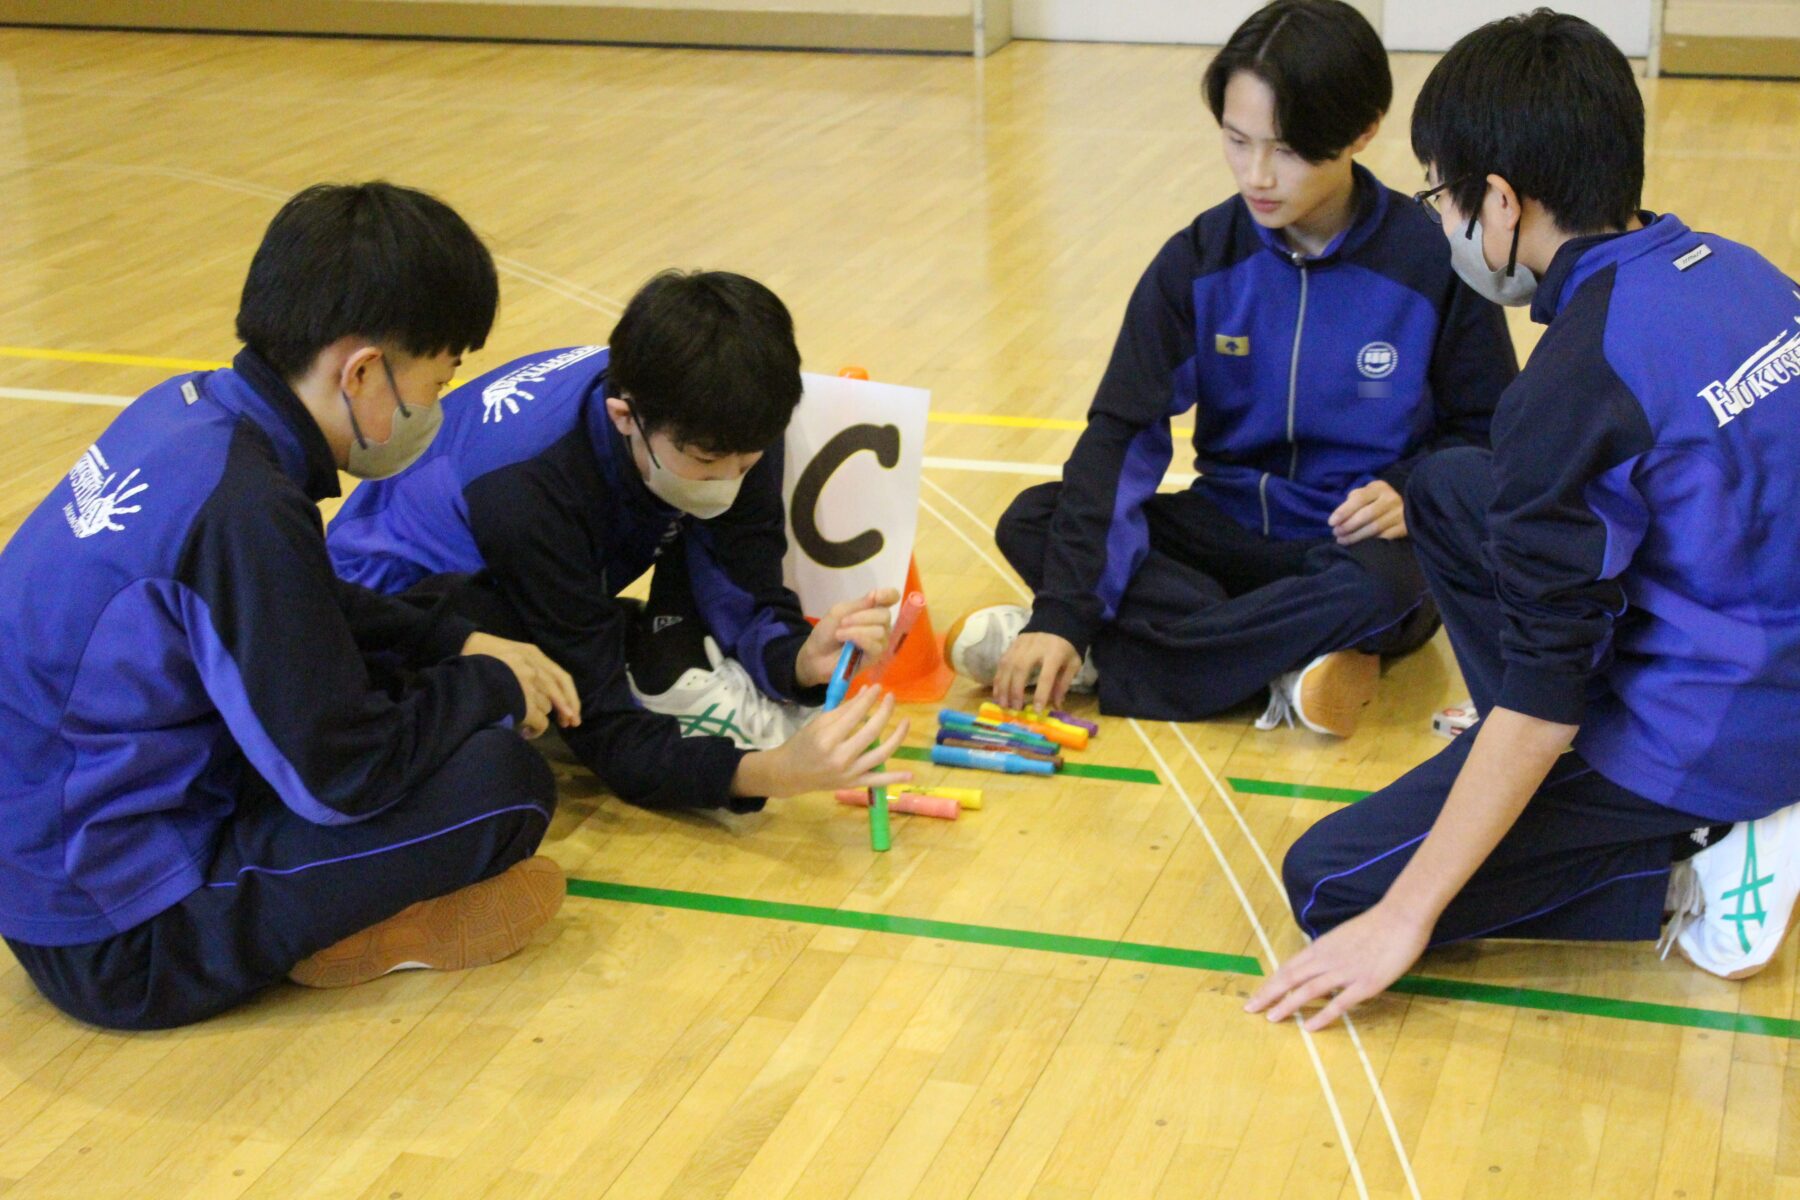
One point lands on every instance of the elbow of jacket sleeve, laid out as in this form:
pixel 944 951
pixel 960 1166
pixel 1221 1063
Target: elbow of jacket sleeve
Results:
pixel 696 775
pixel 1555 696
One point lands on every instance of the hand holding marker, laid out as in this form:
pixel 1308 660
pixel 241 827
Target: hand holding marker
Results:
pixel 880 837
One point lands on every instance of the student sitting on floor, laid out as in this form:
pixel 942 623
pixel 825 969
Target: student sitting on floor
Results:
pixel 206 788
pixel 1621 574
pixel 1314 327
pixel 562 477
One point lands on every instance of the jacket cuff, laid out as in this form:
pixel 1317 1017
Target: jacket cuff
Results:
pixel 779 657
pixel 502 684
pixel 1547 695
pixel 734 754
pixel 445 639
pixel 1396 475
pixel 1054 616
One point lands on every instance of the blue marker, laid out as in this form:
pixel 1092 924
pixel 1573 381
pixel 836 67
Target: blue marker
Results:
pixel 949 718
pixel 989 760
pixel 840 676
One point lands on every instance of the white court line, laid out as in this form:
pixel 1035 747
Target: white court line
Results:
pixel 1387 1115
pixel 1174 479
pixel 974 520
pixel 1337 1115
pixel 12 393
pixel 1043 470
pixel 985 557
pixel 991 466
pixel 1312 1051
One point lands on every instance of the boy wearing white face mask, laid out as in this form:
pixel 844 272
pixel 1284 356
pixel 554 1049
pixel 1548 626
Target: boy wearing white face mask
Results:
pixel 563 476
pixel 1617 577
pixel 219 764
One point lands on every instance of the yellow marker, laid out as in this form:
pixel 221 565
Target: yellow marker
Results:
pixel 969 798
pixel 1068 736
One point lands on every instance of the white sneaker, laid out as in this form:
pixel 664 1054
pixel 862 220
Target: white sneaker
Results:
pixel 1458 718
pixel 725 702
pixel 1732 901
pixel 976 640
pixel 1327 695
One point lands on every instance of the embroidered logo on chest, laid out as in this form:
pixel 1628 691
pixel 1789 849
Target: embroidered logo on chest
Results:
pixel 1235 345
pixel 1377 360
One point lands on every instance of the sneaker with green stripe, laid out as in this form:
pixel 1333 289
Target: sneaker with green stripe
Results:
pixel 1735 899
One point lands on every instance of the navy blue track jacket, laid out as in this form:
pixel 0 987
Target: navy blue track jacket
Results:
pixel 172 623
pixel 1645 530
pixel 529 480
pixel 1308 377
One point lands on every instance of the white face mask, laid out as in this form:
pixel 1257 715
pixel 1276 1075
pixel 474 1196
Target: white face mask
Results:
pixel 1513 286
pixel 702 498
pixel 414 427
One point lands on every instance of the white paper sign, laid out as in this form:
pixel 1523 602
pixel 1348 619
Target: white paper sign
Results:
pixel 855 451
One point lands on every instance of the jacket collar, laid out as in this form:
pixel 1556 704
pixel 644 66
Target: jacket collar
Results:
pixel 254 388
pixel 1579 259
pixel 1370 201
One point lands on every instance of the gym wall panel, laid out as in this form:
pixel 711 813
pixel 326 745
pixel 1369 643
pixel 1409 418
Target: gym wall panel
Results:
pixel 1436 24
pixel 1183 22
pixel 918 25
pixel 1732 37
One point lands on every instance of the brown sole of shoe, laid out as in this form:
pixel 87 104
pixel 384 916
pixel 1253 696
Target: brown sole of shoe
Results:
pixel 1334 693
pixel 950 636
pixel 470 927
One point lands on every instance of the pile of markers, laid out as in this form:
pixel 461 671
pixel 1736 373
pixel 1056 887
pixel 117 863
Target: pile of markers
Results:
pixel 944 802
pixel 1017 743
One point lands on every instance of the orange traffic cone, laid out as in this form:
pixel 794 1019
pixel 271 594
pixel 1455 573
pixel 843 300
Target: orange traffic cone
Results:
pixel 917 674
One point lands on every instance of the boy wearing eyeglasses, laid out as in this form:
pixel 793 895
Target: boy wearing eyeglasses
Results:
pixel 1313 327
pixel 1617 577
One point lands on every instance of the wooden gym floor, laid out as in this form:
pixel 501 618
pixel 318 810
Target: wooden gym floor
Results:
pixel 1039 1000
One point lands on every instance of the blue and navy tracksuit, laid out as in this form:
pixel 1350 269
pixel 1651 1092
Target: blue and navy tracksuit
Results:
pixel 530 489
pixel 201 782
pixel 1626 560
pixel 1308 377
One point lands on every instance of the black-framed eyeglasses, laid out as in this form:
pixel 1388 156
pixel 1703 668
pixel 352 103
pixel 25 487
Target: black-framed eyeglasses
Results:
pixel 1427 199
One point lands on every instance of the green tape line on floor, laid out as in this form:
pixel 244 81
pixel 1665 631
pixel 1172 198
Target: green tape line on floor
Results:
pixel 1298 791
pixel 948 931
pixel 1501 995
pixel 1077 769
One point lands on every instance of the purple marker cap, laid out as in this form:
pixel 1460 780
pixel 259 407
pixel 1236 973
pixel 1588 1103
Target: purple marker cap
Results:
pixel 1066 719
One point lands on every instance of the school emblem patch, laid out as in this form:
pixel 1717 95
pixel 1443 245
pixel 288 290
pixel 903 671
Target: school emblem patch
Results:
pixel 1377 360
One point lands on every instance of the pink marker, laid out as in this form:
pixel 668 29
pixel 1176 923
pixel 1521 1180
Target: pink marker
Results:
pixel 905 802
pixel 910 608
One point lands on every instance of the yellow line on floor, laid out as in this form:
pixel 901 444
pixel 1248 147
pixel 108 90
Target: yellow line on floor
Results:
pixel 120 360
pixel 99 357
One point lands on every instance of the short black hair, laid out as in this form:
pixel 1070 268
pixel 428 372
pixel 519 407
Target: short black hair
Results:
pixel 374 259
pixel 708 357
pixel 1545 101
pixel 1325 64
